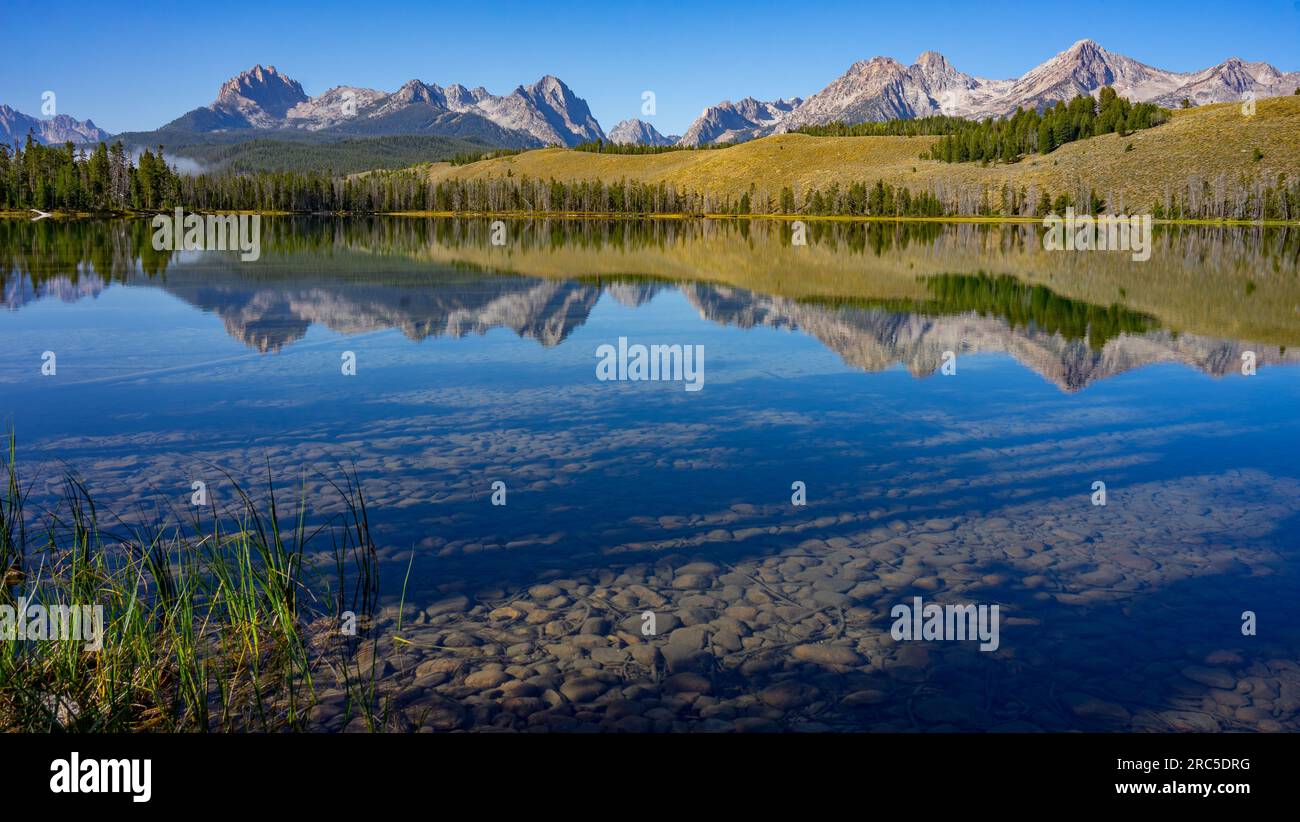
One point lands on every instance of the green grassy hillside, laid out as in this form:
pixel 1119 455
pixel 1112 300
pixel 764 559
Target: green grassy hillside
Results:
pixel 1135 170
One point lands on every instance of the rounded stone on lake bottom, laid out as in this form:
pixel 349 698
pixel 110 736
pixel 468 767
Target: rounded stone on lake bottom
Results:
pixel 1213 677
pixel 646 655
pixel 544 592
pixel 484 680
pixel 582 689
pixel 450 605
pixel 729 641
pixel 788 695
pixel 437 666
pixel 690 582
pixel 827 655
pixel 1223 657
pixel 460 639
pixel 517 688
pixel 1190 721
pixel 687 682
pixel 523 705
pixel 630 725
pixel 620 708
pixel 745 613
pixel 1086 706
pixel 444 718
pixel 859 699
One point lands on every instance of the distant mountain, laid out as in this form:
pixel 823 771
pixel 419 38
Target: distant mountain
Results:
pixel 1232 79
pixel 638 133
pixel 262 99
pixel 14 127
pixel 1084 68
pixel 883 89
pixel 729 122
pixel 548 110
pixel 262 96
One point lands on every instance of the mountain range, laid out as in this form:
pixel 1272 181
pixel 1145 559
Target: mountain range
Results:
pixel 15 126
pixel 263 102
pixel 884 89
pixel 268 316
pixel 729 122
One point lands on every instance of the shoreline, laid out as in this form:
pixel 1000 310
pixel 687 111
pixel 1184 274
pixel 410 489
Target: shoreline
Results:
pixel 615 216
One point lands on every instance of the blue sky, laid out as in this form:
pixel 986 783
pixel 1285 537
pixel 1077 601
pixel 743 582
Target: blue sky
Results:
pixel 148 62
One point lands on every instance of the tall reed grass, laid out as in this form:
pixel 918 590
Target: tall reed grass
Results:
pixel 222 619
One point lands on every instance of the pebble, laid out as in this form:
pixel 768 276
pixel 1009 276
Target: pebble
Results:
pixel 1090 707
pixel 687 682
pixel 450 605
pixel 826 655
pixel 788 695
pixel 484 680
pixel 1214 677
pixel 733 655
pixel 859 699
pixel 582 689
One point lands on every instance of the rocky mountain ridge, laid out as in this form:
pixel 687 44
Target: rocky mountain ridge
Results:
pixel 15 126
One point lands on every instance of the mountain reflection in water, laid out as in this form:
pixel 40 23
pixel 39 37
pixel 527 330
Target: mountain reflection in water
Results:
pixel 441 278
pixel 476 364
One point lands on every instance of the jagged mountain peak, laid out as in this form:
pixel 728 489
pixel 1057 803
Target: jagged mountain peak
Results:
pixel 934 64
pixel 883 88
pixel 417 91
pixel 550 82
pixel 549 88
pixel 637 132
pixel 263 87
pixel 1231 80
pixel 734 122
pixel 547 109
pixel 1085 68
pixel 876 64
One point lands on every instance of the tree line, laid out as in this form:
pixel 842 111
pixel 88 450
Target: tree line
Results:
pixel 607 147
pixel 918 127
pixel 1027 132
pixel 102 179
pixel 106 179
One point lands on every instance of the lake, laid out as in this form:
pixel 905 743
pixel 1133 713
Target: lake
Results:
pixel 891 411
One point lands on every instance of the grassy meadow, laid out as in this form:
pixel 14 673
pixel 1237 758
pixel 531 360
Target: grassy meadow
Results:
pixel 1135 170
